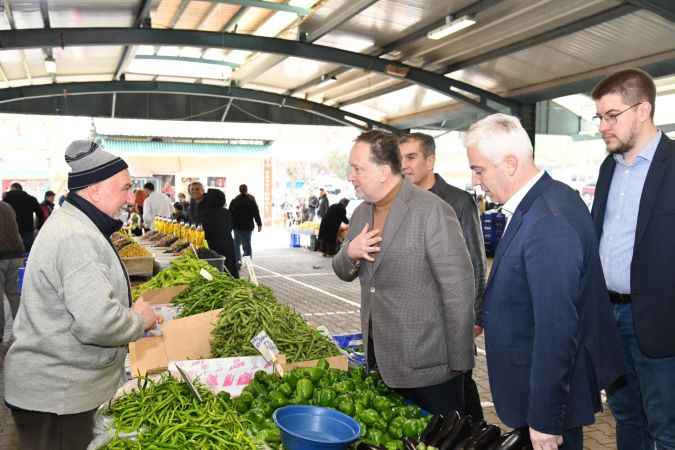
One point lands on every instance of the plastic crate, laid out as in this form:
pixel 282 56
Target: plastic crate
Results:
pixel 352 346
pixel 218 263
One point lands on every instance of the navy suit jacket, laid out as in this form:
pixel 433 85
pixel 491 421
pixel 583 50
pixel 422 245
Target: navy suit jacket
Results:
pixel 551 339
pixel 651 270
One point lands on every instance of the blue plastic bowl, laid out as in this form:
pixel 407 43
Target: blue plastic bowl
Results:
pixel 315 428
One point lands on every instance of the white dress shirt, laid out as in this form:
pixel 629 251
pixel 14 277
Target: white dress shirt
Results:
pixel 157 204
pixel 509 208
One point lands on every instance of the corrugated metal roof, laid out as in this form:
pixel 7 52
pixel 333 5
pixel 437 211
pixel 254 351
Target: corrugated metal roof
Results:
pixel 178 148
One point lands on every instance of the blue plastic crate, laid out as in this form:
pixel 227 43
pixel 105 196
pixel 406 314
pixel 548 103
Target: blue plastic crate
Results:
pixel 21 271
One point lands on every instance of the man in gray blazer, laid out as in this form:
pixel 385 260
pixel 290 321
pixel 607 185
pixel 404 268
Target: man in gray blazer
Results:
pixel 417 286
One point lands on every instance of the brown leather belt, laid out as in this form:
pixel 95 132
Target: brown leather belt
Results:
pixel 619 299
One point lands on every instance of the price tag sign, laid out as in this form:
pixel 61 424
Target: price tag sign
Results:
pixel 266 346
pixel 205 273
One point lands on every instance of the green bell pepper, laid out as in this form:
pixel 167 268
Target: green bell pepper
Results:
pixel 304 389
pixel 368 416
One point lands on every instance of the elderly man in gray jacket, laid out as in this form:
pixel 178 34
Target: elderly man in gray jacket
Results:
pixel 74 319
pixel 417 286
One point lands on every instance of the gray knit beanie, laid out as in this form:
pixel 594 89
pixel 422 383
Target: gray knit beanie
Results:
pixel 90 164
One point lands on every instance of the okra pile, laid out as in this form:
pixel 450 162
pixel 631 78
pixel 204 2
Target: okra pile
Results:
pixel 167 415
pixel 248 313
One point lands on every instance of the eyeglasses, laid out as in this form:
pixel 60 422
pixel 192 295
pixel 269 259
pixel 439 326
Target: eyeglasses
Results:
pixel 610 118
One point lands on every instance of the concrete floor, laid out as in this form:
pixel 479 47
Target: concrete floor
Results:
pixel 305 280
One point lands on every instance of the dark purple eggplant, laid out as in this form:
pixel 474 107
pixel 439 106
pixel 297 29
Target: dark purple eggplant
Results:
pixel 433 427
pixel 518 439
pixel 485 440
pixel 478 427
pixel 443 430
pixel 459 433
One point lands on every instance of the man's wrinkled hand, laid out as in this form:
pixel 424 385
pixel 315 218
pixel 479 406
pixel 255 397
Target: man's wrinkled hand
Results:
pixel 365 243
pixel 543 441
pixel 477 330
pixel 143 309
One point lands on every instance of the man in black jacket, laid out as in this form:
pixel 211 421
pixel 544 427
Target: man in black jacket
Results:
pixel 634 217
pixel 418 155
pixel 244 210
pixel 26 208
pixel 217 223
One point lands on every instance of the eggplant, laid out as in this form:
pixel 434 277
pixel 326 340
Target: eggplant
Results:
pixel 485 440
pixel 518 439
pixel 433 427
pixel 478 427
pixel 443 430
pixel 460 432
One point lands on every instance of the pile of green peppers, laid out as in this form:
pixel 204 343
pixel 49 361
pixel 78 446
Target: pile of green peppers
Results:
pixel 383 415
pixel 167 415
pixel 183 270
pixel 214 294
pixel 246 314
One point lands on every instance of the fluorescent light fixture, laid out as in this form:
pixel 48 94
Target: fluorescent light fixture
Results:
pixel 451 26
pixel 50 65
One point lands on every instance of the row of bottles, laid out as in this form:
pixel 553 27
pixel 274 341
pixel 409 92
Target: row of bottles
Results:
pixel 189 233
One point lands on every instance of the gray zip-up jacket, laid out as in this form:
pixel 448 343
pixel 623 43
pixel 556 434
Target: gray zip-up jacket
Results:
pixel 74 320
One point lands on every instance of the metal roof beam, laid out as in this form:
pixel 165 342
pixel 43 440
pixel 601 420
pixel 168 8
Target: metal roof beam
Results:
pixel 141 16
pixel 663 8
pixel 420 33
pixel 10 95
pixel 215 62
pixel 267 5
pixel 329 24
pixel 541 38
pixel 459 90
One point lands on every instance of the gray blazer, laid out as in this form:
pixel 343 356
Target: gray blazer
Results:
pixel 419 292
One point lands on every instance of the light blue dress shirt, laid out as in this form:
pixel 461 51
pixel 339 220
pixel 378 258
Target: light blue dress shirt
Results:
pixel 621 214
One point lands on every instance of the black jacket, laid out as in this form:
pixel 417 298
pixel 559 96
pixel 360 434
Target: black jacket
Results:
pixel 330 223
pixel 217 223
pixel 244 211
pixel 323 206
pixel 651 272
pixel 25 206
pixel 467 214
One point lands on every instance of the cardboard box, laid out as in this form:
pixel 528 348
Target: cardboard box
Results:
pixel 139 265
pixel 231 375
pixel 186 338
pixel 163 296
pixel 190 338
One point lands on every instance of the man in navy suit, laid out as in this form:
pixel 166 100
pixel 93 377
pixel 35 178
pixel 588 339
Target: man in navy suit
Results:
pixel 551 341
pixel 634 214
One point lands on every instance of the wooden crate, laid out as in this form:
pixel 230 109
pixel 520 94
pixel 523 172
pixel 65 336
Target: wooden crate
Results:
pixel 139 265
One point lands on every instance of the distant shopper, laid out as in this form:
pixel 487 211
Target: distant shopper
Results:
pixel 178 212
pixel 335 216
pixel 244 210
pixel 184 203
pixel 217 223
pixel 156 204
pixel 74 320
pixel 28 213
pixel 11 257
pixel 312 205
pixel 196 191
pixel 323 204
pixel 139 199
pixel 47 204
